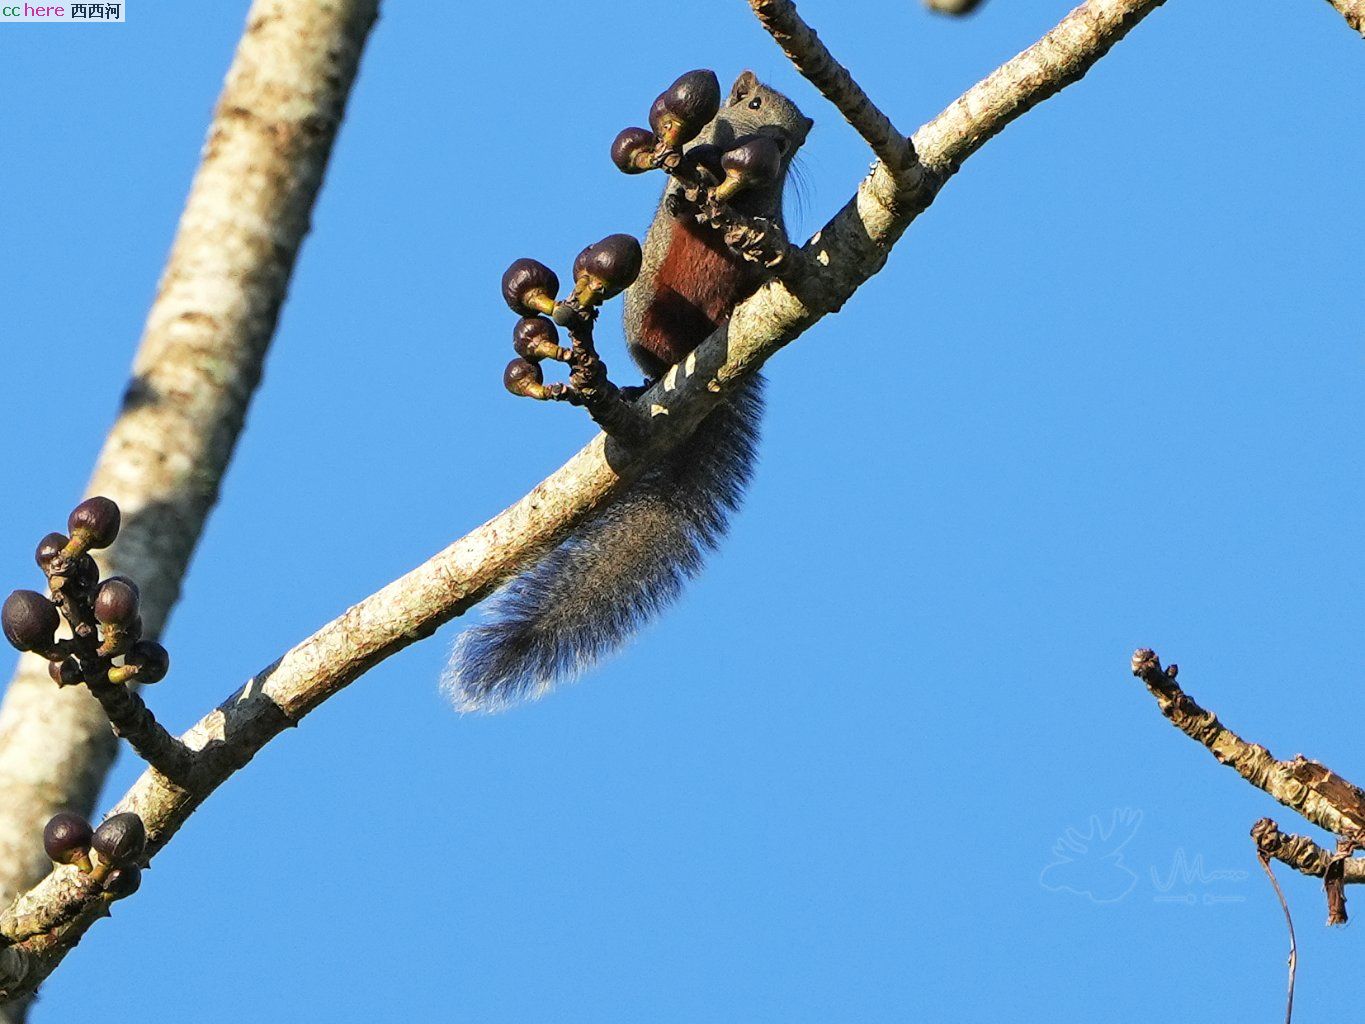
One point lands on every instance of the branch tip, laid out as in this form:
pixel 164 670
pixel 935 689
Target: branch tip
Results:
pixel 812 58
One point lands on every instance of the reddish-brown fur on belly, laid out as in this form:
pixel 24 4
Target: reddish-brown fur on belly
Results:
pixel 697 286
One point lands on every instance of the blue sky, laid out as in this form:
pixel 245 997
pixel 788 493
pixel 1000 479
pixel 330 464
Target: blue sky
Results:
pixel 1105 394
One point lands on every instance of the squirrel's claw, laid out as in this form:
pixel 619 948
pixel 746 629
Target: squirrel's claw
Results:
pixel 754 239
pixel 758 240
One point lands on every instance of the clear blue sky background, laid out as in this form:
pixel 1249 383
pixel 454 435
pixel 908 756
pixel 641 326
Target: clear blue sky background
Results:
pixel 1106 394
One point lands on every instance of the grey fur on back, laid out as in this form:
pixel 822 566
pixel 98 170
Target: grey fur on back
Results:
pixel 617 571
pixel 628 563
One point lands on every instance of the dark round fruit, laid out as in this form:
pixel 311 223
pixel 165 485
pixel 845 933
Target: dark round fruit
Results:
pixel 535 338
pixel 755 162
pixel 126 581
pixel 685 107
pixel 523 377
pixel 529 287
pixel 29 620
pixel 632 150
pixel 97 519
pixel 65 673
pixel 66 838
pixel 123 881
pixel 151 659
pixel 121 839
pixel 664 125
pixel 49 548
pixel 614 263
pixel 116 601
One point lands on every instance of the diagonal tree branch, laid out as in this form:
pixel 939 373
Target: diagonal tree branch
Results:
pixel 44 923
pixel 195 371
pixel 804 49
pixel 1304 786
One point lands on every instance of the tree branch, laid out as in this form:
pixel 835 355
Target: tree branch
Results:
pixel 1304 786
pixel 849 250
pixel 803 47
pixel 1353 11
pixel 132 720
pixel 196 368
pixel 1302 854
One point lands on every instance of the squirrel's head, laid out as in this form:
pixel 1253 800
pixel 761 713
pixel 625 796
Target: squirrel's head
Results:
pixel 756 109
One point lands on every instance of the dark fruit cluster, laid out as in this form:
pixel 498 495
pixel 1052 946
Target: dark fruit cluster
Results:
pixel 602 271
pixel 118 846
pixel 106 645
pixel 675 119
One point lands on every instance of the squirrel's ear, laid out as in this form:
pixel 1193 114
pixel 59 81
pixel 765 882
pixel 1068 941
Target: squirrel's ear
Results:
pixel 746 83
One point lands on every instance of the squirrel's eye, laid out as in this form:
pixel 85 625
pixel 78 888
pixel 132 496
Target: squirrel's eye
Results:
pixel 755 103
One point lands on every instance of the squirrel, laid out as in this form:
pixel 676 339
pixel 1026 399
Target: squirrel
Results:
pixel 627 563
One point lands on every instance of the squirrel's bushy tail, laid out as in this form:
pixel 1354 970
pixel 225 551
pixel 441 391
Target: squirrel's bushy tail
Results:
pixel 616 571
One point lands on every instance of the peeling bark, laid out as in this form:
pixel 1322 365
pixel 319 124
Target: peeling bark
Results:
pixel 1305 787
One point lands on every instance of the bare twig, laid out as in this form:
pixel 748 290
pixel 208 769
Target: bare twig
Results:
pixel 848 250
pixel 800 43
pixel 1264 858
pixel 1304 786
pixel 195 371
